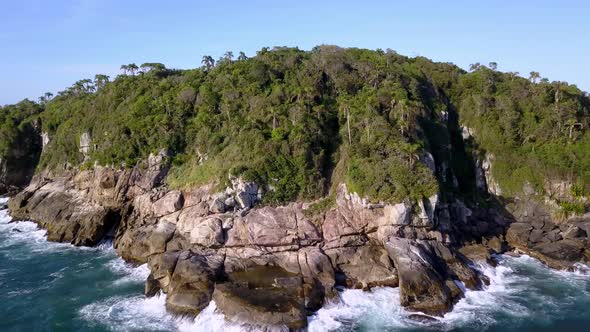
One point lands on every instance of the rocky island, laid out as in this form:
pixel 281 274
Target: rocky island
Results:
pixel 267 183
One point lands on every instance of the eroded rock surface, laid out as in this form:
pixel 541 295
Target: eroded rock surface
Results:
pixel 275 265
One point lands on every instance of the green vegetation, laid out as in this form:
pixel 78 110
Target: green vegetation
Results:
pixel 572 208
pixel 535 130
pixel 20 145
pixel 299 122
pixel 16 121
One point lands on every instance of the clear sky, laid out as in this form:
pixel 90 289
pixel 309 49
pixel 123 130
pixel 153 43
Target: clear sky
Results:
pixel 48 45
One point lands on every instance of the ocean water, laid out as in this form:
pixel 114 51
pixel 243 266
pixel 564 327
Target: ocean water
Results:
pixel 48 286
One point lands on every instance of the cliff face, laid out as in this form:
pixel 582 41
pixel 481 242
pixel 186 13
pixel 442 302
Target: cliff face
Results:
pixel 201 244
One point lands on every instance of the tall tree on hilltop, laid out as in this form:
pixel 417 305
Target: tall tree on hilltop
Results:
pixel 228 56
pixel 100 81
pixel 242 56
pixel 208 62
pixel 132 68
pixel 534 76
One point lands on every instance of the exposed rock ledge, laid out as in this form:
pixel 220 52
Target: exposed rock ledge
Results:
pixel 268 265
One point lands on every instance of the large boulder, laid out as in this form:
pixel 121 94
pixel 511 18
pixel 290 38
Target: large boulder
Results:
pixel 170 203
pixel 192 282
pixel 263 295
pixel 427 272
pixel 136 244
pixel 363 267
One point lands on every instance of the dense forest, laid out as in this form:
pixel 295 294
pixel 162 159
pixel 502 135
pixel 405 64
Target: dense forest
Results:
pixel 299 122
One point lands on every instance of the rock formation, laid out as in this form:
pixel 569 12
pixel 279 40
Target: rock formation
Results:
pixel 274 265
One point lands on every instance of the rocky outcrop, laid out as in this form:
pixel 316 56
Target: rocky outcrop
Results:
pixel 275 265
pixel 85 144
pixel 66 216
pixel 560 246
pixel 268 265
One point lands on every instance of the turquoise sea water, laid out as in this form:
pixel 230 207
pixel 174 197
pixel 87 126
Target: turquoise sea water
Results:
pixel 57 287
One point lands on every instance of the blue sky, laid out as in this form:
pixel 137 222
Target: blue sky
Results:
pixel 48 45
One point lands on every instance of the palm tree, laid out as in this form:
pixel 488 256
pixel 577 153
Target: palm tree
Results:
pixel 132 68
pixel 208 62
pixel 493 65
pixel 242 56
pixel 534 76
pixel 474 66
pixel 124 68
pixel 512 75
pixel 100 80
pixel 229 55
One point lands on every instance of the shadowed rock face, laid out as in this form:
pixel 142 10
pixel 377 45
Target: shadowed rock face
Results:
pixel 427 272
pixel 67 217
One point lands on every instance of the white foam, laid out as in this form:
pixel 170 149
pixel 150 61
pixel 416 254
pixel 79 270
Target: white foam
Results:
pixel 130 314
pixel 148 314
pixel 21 232
pixel 127 271
pixel 372 310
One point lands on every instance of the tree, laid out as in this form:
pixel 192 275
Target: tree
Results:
pixel 132 68
pixel 124 68
pixel 512 75
pixel 493 65
pixel 228 56
pixel 152 66
pixel 100 81
pixel 474 66
pixel 242 56
pixel 208 62
pixel 82 87
pixel 534 76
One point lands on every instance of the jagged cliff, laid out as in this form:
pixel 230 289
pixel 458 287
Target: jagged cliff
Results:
pixel 266 183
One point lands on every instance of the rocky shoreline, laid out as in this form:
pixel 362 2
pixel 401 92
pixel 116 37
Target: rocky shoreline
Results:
pixel 275 265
